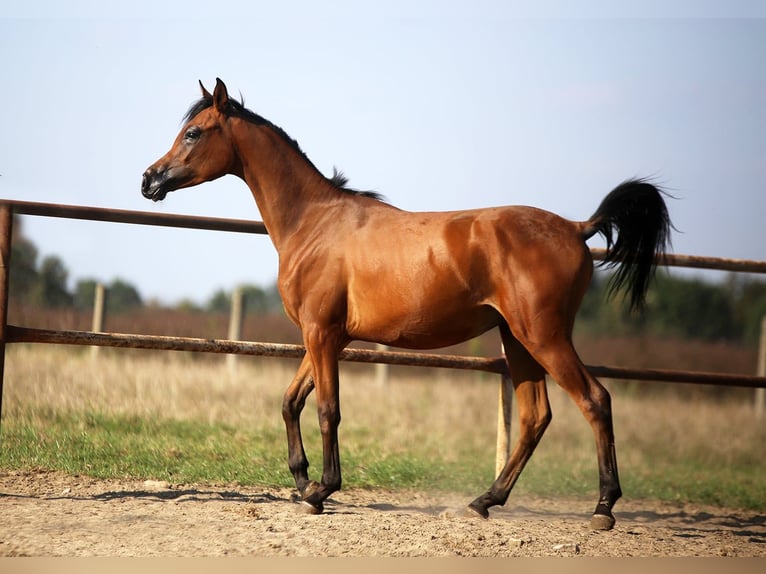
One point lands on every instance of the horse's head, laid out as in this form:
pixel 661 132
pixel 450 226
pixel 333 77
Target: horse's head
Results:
pixel 203 150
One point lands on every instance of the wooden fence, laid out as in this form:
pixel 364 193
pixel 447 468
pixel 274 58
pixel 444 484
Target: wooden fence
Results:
pixel 21 334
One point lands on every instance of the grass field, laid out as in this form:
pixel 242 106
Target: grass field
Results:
pixel 184 418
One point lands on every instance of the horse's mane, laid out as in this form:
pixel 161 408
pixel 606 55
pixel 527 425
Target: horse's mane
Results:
pixel 238 109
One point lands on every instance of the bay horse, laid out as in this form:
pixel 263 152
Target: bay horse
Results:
pixel 353 267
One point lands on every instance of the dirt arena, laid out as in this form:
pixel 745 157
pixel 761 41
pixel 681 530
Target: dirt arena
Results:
pixel 48 514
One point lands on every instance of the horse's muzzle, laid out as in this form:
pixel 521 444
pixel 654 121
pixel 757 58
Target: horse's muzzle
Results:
pixel 152 186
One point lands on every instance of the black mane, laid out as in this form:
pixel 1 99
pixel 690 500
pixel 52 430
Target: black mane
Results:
pixel 238 109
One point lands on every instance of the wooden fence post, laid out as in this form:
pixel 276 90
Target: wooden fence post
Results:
pixel 760 394
pixel 381 369
pixel 504 417
pixel 97 325
pixel 6 233
pixel 236 318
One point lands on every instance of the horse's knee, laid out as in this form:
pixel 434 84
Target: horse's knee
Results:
pixel 293 402
pixel 287 411
pixel 329 417
pixel 290 408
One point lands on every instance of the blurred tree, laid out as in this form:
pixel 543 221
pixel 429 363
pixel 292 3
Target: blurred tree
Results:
pixel 122 297
pixel 680 307
pixel 256 300
pixel 189 305
pixel 594 298
pixel 220 302
pixel 691 308
pixel 24 276
pixel 749 302
pixel 84 294
pixel 51 289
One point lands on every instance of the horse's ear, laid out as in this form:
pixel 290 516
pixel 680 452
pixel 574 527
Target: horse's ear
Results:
pixel 220 96
pixel 205 94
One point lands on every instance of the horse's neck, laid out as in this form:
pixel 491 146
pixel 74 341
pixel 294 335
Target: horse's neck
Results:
pixel 288 190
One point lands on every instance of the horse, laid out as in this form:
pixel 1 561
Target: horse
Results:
pixel 354 267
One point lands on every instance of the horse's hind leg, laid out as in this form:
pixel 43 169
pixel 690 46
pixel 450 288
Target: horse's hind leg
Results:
pixel 561 361
pixel 292 405
pixel 534 416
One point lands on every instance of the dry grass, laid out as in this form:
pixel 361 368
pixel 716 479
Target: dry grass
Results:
pixel 449 415
pixel 437 407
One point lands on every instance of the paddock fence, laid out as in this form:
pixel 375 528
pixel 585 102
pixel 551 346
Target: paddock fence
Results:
pixel 496 365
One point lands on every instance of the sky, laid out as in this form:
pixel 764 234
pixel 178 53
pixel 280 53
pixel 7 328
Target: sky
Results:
pixel 437 105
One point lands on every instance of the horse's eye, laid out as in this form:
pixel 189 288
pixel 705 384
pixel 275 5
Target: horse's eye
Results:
pixel 192 134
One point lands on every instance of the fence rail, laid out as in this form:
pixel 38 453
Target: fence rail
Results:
pixel 134 217
pixel 18 334
pixel 495 365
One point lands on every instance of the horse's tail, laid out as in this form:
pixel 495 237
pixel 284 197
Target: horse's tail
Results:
pixel 637 211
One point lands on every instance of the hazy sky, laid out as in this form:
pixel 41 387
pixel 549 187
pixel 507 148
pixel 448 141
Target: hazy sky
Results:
pixel 437 105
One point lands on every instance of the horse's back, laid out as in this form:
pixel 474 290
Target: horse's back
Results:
pixel 480 240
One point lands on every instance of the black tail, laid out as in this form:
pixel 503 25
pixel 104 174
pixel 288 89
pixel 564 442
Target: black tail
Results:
pixel 637 211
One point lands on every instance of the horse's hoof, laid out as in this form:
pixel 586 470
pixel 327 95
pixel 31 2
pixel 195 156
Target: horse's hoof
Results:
pixel 602 522
pixel 308 508
pixel 472 512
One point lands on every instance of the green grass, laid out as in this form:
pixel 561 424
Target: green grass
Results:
pixel 194 452
pixel 685 480
pixel 191 452
pixel 110 447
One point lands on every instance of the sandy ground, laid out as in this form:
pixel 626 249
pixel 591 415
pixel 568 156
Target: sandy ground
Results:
pixel 49 514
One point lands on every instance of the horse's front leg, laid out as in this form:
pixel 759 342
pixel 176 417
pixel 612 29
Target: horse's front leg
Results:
pixel 323 353
pixel 292 406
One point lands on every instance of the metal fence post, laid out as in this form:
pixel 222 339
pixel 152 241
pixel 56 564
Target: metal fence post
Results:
pixel 6 233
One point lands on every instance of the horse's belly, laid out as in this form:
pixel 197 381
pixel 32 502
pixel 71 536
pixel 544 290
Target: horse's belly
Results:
pixel 425 330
